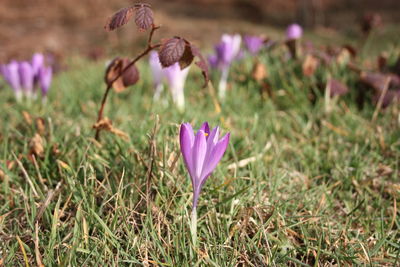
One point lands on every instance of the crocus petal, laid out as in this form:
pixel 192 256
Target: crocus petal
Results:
pixel 212 140
pixel 237 40
pixel 199 153
pixel 12 76
pixel 186 142
pixel 37 63
pixel 45 75
pixel 215 156
pixel 205 128
pixel 213 61
pixel 176 79
pixel 294 31
pixel 26 76
pixel 253 43
pixel 156 68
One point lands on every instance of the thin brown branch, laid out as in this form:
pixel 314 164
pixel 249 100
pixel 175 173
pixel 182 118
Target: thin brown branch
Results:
pixel 150 47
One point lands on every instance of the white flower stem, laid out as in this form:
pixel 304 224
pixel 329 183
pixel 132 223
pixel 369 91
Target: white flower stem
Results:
pixel 179 98
pixel 193 227
pixel 158 91
pixel 18 96
pixel 223 83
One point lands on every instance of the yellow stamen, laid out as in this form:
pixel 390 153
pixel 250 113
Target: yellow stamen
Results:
pixel 206 134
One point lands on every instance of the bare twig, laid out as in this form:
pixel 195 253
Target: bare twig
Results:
pixel 37 251
pixel 381 97
pixel 26 176
pixel 150 47
pixel 152 154
pixel 50 195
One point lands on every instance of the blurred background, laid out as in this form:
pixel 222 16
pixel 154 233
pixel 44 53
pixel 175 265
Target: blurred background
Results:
pixel 76 26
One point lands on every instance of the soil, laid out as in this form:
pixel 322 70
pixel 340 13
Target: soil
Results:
pixel 76 26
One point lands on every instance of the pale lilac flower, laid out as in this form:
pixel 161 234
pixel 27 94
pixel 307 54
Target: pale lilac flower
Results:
pixel 44 76
pixel 226 52
pixel 294 32
pixel 253 43
pixel 157 74
pixel 213 61
pixel 201 154
pixel 26 76
pixel 228 49
pixel 37 62
pixel 10 73
pixel 176 80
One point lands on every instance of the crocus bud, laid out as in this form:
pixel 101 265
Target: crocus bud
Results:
pixel 37 62
pixel 226 52
pixel 11 76
pixel 294 31
pixel 229 48
pixel 176 80
pixel 26 78
pixel 253 43
pixel 45 75
pixel 157 74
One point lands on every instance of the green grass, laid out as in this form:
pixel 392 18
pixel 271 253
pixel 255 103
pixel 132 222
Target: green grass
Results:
pixel 322 187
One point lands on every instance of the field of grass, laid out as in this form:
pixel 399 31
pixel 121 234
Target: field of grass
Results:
pixel 301 184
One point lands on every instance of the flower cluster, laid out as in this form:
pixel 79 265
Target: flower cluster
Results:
pixel 26 77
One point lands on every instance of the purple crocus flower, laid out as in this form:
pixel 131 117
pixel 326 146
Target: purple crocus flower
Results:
pixel 253 43
pixel 226 52
pixel 11 76
pixel 228 49
pixel 44 76
pixel 294 32
pixel 176 80
pixel 213 61
pixel 201 154
pixel 157 73
pixel 37 62
pixel 26 78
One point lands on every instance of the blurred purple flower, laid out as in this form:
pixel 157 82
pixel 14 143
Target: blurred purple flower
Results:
pixel 226 52
pixel 201 154
pixel 294 31
pixel 213 61
pixel 37 62
pixel 228 49
pixel 26 78
pixel 253 43
pixel 157 74
pixel 176 80
pixel 45 75
pixel 10 73
pixel 156 67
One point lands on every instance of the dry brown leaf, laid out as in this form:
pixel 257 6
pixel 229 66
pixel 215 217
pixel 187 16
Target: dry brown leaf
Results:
pixel 259 72
pixel 2 175
pixel 127 78
pixel 384 170
pixel 336 88
pixel 36 146
pixel 343 57
pixel 27 117
pixel 63 165
pixel 106 124
pixel 55 149
pixel 310 64
pixel 41 126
